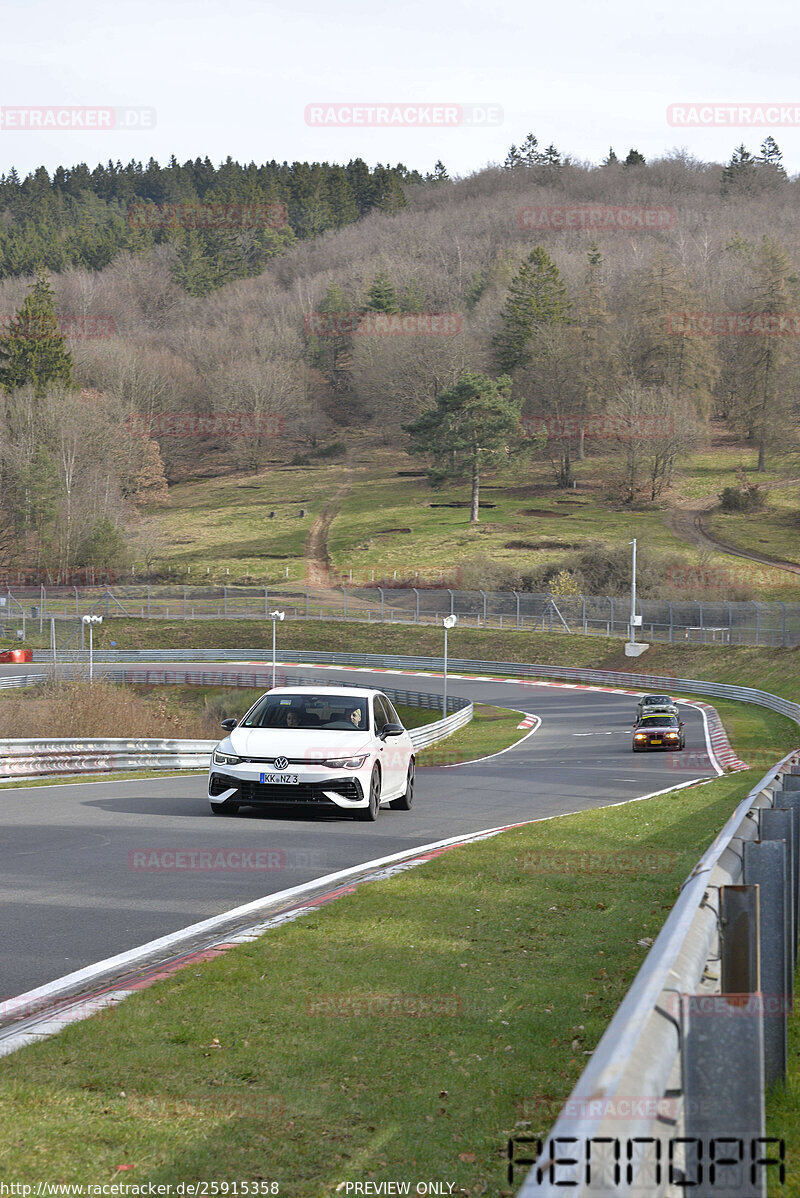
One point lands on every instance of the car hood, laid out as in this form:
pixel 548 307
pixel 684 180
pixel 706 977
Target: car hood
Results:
pixel 314 744
pixel 655 727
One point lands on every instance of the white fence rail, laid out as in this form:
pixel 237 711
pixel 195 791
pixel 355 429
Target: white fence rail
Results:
pixel 20 758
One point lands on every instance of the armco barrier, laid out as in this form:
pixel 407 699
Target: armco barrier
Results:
pixel 679 1074
pixel 49 755
pixel 511 669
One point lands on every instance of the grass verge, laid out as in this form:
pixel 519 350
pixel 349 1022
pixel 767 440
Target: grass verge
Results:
pixel 402 1033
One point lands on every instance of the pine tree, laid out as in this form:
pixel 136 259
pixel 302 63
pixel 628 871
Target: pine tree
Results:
pixel 33 350
pixel 468 431
pixel 513 159
pixel 739 172
pixel 332 355
pixel 612 159
pixel 381 296
pixel 536 297
pixel 439 175
pixel 770 153
pixel 529 152
pixel 635 159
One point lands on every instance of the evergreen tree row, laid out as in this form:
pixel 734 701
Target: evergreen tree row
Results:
pixel 83 218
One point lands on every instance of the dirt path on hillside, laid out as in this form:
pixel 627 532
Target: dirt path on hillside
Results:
pixel 688 523
pixel 318 562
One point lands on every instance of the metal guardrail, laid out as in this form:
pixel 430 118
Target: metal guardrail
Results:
pixel 679 1062
pixel 53 755
pixel 379 661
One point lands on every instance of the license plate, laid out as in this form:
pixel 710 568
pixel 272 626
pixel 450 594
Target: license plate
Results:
pixel 655 742
pixel 283 779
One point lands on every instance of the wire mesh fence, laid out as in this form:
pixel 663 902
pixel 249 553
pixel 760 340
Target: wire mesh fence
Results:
pixel 23 609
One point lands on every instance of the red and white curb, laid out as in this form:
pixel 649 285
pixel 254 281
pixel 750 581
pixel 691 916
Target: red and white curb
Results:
pixel 47 1010
pixel 720 751
pixel 528 722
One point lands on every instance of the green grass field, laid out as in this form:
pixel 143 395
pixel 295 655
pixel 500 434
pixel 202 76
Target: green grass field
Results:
pixel 387 526
pixel 775 531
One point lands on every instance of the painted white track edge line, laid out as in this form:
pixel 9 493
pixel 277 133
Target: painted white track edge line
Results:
pixel 456 765
pixel 173 939
pixel 12 1041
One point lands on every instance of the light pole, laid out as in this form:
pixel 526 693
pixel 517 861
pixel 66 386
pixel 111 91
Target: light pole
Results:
pixel 447 622
pixel 276 615
pixel 633 591
pixel 91 621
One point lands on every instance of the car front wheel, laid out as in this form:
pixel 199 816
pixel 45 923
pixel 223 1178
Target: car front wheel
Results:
pixel 405 801
pixel 370 814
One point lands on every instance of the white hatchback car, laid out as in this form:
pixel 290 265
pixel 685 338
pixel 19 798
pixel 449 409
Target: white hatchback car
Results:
pixel 329 747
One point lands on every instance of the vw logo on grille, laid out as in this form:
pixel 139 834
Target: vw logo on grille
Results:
pixel 281 763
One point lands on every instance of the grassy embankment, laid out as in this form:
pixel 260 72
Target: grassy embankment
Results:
pixel 387 523
pixel 499 977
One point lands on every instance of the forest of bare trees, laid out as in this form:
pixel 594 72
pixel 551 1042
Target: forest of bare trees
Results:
pixel 611 322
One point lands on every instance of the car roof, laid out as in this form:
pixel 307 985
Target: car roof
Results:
pixel 340 692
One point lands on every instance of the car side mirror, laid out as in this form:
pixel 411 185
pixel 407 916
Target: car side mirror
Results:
pixel 391 730
pixel 229 724
pixel 680 723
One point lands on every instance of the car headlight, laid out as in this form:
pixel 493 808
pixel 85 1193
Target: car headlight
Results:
pixel 672 736
pixel 345 763
pixel 220 758
pixel 640 736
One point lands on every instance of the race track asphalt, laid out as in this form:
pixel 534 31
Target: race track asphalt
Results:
pixel 71 891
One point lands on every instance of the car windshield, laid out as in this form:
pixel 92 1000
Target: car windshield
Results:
pixel 654 700
pixel 343 713
pixel 662 721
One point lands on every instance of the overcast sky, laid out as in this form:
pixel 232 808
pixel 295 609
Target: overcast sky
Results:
pixel 237 78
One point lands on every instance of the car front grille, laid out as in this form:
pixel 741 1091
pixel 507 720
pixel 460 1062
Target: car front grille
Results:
pixel 305 792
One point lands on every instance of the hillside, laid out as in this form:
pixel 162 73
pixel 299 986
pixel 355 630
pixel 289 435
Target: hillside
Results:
pixel 254 353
